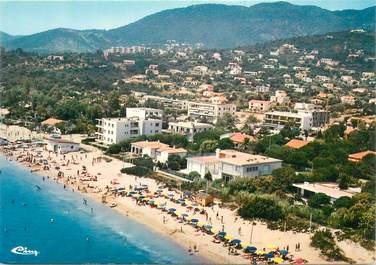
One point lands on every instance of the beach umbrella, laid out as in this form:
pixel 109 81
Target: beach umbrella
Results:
pixel 269 255
pixel 299 261
pixel 200 224
pixel 235 242
pixel 283 252
pixel 251 249
pixel 214 231
pixel 228 237
pixel 208 227
pixel 221 234
pixel 278 260
pixel 260 252
pixel 271 246
pixel 245 244
pixel 172 210
pixel 194 220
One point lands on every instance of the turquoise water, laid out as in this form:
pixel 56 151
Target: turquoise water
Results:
pixel 75 235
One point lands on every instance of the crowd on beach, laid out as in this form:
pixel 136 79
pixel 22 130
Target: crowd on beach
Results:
pixel 173 205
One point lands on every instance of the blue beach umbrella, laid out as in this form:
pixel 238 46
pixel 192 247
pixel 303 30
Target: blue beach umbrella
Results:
pixel 250 249
pixel 269 255
pixel 283 252
pixel 235 242
pixel 194 220
pixel 221 234
pixel 172 210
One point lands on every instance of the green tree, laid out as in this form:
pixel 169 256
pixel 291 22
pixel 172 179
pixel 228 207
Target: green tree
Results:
pixel 318 199
pixel 225 143
pixel 227 122
pixel 208 146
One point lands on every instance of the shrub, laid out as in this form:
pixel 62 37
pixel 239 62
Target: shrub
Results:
pixel 324 241
pixel 137 171
pixel 318 199
pixel 343 202
pixel 113 149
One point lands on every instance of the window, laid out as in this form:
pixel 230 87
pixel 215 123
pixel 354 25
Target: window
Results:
pixel 157 124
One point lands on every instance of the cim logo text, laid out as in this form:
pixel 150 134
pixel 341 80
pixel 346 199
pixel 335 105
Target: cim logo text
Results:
pixel 24 251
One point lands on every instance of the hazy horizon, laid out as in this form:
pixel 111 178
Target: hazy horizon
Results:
pixel 29 17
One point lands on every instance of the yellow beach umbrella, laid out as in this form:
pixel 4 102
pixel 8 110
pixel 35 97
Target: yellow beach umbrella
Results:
pixel 277 260
pixel 260 252
pixel 245 244
pixel 214 230
pixel 200 224
pixel 271 246
pixel 228 237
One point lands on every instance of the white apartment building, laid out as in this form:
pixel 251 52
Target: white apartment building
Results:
pixel 228 164
pixel 139 121
pixel 144 113
pixel 279 119
pixel 189 128
pixel 259 105
pixel 210 111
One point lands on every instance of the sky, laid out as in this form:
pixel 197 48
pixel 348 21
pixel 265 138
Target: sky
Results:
pixel 28 17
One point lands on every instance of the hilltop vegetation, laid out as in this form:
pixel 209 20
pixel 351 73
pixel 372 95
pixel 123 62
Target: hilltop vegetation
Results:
pixel 214 25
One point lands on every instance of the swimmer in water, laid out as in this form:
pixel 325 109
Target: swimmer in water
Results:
pixel 52 220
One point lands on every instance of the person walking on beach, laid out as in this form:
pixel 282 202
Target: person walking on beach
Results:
pixel 222 219
pixel 298 246
pixel 240 231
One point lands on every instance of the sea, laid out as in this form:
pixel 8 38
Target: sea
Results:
pixel 41 223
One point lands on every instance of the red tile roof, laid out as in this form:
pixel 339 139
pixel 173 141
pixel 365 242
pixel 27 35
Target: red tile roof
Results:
pixel 296 143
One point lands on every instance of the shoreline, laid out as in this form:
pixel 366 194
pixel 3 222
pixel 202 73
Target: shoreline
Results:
pixel 152 218
pixel 134 215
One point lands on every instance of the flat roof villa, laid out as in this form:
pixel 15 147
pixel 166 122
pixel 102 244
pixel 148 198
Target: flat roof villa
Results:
pixel 228 164
pixel 156 150
pixel 330 189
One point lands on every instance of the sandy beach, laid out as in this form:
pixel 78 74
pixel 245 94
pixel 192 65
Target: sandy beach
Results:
pixel 106 171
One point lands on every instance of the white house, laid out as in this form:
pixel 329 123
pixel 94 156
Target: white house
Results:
pixel 259 105
pixel 280 97
pixel 156 150
pixel 188 128
pixel 228 164
pixel 61 146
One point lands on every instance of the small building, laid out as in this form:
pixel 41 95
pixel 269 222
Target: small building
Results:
pixel 61 146
pixel 332 190
pixel 358 157
pixel 240 138
pixel 259 105
pixel 51 122
pixel 156 150
pixel 296 143
pixel 189 128
pixel 204 199
pixel 228 164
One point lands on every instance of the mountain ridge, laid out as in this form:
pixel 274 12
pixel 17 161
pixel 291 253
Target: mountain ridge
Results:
pixel 215 25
